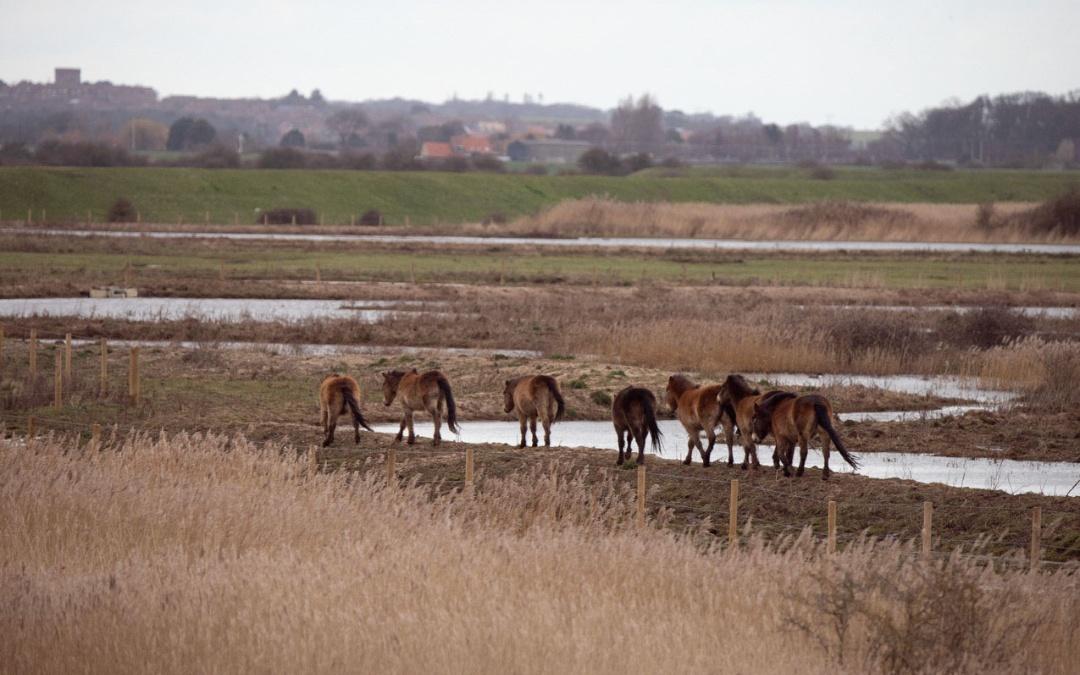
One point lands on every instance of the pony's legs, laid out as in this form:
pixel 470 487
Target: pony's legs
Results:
pixel 710 434
pixel 691 442
pixel 409 421
pixel 804 448
pixel 729 438
pixel 825 446
pixel 546 421
pixel 619 435
pixel 436 418
pixel 783 450
pixel 401 429
pixel 523 422
pixel 532 428
pixel 356 430
pixel 640 434
pixel 331 427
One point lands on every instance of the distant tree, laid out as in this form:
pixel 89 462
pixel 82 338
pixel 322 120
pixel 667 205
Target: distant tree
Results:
pixel 142 134
pixel 595 133
pixel 638 162
pixel 316 98
pixel 773 134
pixel 187 133
pixel 452 128
pixel 673 136
pixel 294 98
pixel 565 132
pixel 598 160
pixel 292 139
pixel 637 121
pixel 348 123
pixel 281 158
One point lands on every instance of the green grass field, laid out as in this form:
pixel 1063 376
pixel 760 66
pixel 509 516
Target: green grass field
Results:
pixel 171 195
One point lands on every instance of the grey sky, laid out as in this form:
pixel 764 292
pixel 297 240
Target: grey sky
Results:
pixel 845 62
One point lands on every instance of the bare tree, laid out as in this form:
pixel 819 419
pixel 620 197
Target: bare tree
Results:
pixel 347 123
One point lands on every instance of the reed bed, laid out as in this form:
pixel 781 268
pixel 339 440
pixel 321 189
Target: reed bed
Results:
pixel 599 216
pixel 211 554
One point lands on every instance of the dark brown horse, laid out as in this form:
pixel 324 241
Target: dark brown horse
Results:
pixel 795 419
pixel 740 396
pixel 339 395
pixel 633 412
pixel 429 391
pixel 698 409
pixel 534 396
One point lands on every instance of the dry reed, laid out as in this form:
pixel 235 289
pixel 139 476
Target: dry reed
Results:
pixel 209 554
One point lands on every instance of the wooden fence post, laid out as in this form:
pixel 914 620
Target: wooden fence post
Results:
pixel 133 376
pixel 58 382
pixel 221 271
pixel 207 217
pixel 33 352
pixel 641 495
pixel 469 487
pixel 733 515
pixel 391 460
pixel 30 427
pixel 1036 537
pixel 138 217
pixel 95 436
pixel 318 274
pixel 67 357
pixel 831 545
pixel 1 346
pixel 127 274
pixel 927 528
pixel 313 460
pixel 103 387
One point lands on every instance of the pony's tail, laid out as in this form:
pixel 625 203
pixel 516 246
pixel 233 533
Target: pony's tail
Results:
pixel 821 412
pixel 651 425
pixel 354 406
pixel 560 403
pixel 451 407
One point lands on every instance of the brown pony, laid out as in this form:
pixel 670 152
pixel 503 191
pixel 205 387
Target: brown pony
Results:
pixel 699 410
pixel 339 395
pixel 534 396
pixel 737 394
pixel 428 391
pixel 790 419
pixel 633 412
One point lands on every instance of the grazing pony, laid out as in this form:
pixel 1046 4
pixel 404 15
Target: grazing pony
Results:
pixel 633 412
pixel 339 395
pixel 699 410
pixel 429 391
pixel 534 396
pixel 790 419
pixel 737 394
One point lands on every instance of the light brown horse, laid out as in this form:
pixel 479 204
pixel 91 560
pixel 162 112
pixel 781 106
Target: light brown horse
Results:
pixel 429 391
pixel 795 419
pixel 633 412
pixel 699 410
pixel 740 396
pixel 339 395
pixel 533 396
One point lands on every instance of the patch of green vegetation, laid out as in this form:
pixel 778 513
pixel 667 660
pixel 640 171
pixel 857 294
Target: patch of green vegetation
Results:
pixel 171 195
pixel 600 398
pixel 561 357
pixel 577 384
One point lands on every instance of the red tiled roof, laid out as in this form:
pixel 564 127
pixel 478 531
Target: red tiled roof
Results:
pixel 471 143
pixel 436 150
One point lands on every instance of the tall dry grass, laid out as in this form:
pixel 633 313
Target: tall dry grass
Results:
pixel 604 217
pixel 192 554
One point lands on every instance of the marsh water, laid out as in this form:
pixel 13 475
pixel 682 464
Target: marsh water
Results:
pixel 599 242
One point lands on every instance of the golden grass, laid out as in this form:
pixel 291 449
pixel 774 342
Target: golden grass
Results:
pixel 603 217
pixel 191 554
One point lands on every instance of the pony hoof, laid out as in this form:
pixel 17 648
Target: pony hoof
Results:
pixel 731 462
pixel 686 462
pixel 799 473
pixel 744 466
pixel 705 463
pixel 640 460
pixel 619 461
pixel 521 445
pixel 326 444
pixel 411 441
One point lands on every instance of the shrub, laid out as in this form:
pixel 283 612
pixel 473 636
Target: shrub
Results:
pixel 286 216
pixel 495 218
pixel 1061 371
pixel 122 211
pixel 600 161
pixel 1060 215
pixel 536 170
pixel 401 160
pixel 15 153
pixel 984 217
pixel 282 158
pixel 932 165
pixel 822 173
pixel 488 163
pixel 217 157
pixel 672 163
pixel 638 162
pixel 358 161
pixel 853 333
pixel 371 217
pixel 600 398
pixel 82 153
pixel 983 327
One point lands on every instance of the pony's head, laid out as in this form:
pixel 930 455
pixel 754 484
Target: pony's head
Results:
pixel 508 395
pixel 390 381
pixel 677 384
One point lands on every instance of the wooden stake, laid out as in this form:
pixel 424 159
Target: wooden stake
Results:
pixel 318 274
pixel 29 216
pixel 641 495
pixel 733 515
pixel 406 221
pixel 127 274
pixel 352 220
pixel 927 528
pixel 95 436
pixel 33 352
pixel 138 217
pixel 412 272
pixel 221 271
pixel 1036 537
pixel 391 460
pixel 30 427
pixel 67 357
pixel 88 220
pixel 294 219
pixel 58 382
pixel 469 471
pixel 103 385
pixel 207 217
pixel 313 460
pixel 831 545
pixel 235 218
pixel 133 376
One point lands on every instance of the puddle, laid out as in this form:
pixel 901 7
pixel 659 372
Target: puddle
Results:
pixel 222 309
pixel 608 242
pixel 945 386
pixel 302 349
pixel 1014 477
pixel 1033 312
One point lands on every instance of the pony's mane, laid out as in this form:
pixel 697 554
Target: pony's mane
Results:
pixel 769 401
pixel 738 388
pixel 681 383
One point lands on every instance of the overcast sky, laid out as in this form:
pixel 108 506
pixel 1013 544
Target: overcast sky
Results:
pixel 845 62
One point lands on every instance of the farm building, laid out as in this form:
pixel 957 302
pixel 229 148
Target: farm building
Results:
pixel 554 151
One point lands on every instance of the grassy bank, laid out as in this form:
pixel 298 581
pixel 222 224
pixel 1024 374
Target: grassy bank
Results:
pixel 172 195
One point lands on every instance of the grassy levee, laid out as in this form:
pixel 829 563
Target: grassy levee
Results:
pixel 175 194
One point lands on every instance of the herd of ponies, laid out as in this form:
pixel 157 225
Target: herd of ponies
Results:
pixel 733 406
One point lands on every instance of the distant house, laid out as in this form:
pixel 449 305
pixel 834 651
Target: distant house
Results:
pixel 434 150
pixel 548 150
pixel 470 144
